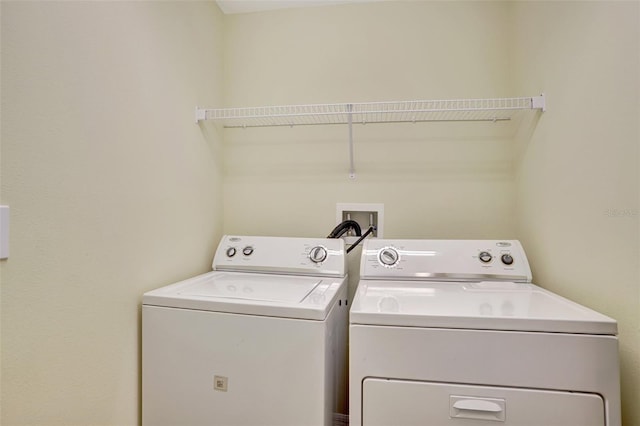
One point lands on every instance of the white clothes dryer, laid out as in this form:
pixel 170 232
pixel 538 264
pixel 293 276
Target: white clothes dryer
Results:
pixel 452 332
pixel 261 340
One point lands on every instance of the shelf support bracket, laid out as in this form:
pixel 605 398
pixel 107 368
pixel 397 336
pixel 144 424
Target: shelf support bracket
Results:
pixel 201 114
pixel 352 171
pixel 538 102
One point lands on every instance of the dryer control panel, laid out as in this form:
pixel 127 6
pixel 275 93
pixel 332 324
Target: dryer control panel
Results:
pixel 281 255
pixel 445 260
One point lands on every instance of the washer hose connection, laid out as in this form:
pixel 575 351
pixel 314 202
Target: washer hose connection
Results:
pixel 370 230
pixel 343 227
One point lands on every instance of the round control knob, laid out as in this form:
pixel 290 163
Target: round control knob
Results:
pixel 231 251
pixel 388 256
pixel 318 254
pixel 485 257
pixel 507 259
pixel 247 251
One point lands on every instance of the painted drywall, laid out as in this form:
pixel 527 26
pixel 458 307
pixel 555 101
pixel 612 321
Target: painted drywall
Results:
pixel 437 180
pixel 567 185
pixel 1 262
pixel 113 188
pixel 114 192
pixel 578 173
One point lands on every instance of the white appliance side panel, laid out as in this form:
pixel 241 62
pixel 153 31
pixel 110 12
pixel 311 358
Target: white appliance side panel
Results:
pixel 407 403
pixel 582 363
pixel 336 359
pixel 337 356
pixel 274 369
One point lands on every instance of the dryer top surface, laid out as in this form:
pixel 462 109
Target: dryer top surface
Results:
pixel 467 305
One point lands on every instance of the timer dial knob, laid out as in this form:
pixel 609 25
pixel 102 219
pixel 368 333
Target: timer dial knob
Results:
pixel 231 251
pixel 507 259
pixel 388 256
pixel 318 254
pixel 485 257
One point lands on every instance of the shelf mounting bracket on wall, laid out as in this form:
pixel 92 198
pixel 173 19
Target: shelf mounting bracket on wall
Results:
pixel 491 110
pixel 539 103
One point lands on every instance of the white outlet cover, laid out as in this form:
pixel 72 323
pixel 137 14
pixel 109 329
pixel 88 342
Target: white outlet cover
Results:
pixel 4 232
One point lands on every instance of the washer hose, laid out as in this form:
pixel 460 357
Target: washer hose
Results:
pixel 343 227
pixel 352 246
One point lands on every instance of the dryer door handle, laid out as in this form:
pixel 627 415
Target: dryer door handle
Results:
pixel 477 405
pixel 477 408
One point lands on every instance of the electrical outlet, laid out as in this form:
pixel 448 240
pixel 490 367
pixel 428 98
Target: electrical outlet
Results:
pixel 4 232
pixel 366 214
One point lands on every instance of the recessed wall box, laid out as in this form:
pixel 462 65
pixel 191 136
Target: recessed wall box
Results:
pixel 366 214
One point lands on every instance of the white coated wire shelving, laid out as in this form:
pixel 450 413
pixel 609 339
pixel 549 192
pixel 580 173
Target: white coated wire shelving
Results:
pixel 499 109
pixel 491 110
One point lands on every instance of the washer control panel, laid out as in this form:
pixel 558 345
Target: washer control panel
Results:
pixel 445 260
pixel 281 255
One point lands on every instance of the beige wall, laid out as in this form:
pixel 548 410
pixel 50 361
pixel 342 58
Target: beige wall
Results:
pixel 578 175
pixel 436 180
pixel 569 190
pixel 113 191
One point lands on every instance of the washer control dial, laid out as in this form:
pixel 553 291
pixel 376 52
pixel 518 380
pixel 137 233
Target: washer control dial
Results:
pixel 247 251
pixel 388 256
pixel 485 257
pixel 231 251
pixel 318 254
pixel 507 259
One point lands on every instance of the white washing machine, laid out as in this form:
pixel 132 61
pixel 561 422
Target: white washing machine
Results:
pixel 451 332
pixel 261 340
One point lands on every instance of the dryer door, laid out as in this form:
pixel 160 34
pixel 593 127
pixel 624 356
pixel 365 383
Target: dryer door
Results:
pixel 412 403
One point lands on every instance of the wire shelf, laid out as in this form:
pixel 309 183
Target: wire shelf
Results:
pixel 500 109
pixel 493 110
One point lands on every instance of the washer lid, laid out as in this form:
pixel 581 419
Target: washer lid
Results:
pixel 250 293
pixel 285 289
pixel 480 306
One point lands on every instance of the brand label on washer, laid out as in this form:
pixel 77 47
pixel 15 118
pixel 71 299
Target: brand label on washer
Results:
pixel 220 383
